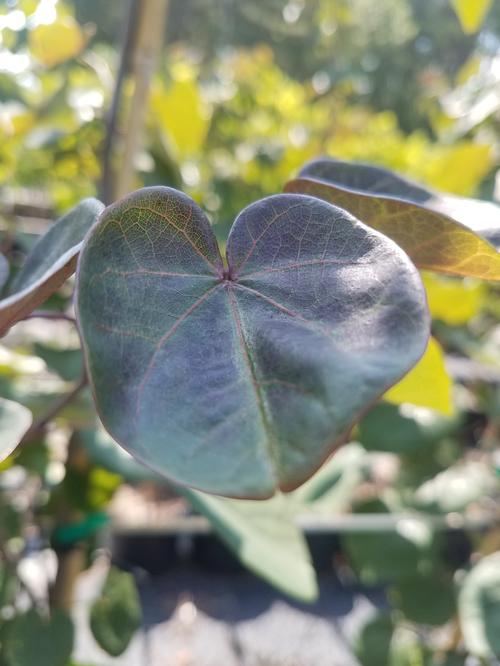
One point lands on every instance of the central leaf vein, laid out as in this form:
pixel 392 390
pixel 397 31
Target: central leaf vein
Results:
pixel 266 417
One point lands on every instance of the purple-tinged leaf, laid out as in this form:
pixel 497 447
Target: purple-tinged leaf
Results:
pixel 446 234
pixel 51 261
pixel 242 381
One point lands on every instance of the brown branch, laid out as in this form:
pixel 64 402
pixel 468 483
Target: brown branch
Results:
pixel 51 315
pixel 150 31
pixel 54 409
pixel 106 186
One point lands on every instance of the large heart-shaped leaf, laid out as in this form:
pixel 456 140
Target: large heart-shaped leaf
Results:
pixel 51 261
pixel 241 381
pixel 15 421
pixel 4 271
pixel 438 233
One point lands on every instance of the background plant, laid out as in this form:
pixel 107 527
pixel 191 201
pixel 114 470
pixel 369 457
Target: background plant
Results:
pixel 397 87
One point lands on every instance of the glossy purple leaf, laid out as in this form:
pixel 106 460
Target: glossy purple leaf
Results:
pixel 242 380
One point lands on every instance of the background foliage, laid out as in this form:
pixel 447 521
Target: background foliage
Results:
pixel 245 93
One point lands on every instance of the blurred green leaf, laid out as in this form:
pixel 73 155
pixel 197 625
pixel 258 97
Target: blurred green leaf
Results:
pixel 264 537
pixel 425 599
pixel 408 648
pixel 384 555
pixel 15 421
pixel 404 429
pixel 34 457
pixel 35 641
pixel 373 644
pixel 333 485
pixel 89 489
pixel 67 363
pixel 116 615
pixel 479 608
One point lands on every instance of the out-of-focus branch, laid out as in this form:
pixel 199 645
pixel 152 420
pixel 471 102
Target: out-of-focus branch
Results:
pixel 51 315
pixel 127 46
pixel 54 409
pixel 149 40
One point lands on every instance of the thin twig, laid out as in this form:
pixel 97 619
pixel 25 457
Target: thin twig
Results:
pixel 56 407
pixel 50 314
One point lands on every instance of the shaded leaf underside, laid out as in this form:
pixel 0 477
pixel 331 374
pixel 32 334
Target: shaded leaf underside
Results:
pixel 438 233
pixel 241 382
pixel 51 261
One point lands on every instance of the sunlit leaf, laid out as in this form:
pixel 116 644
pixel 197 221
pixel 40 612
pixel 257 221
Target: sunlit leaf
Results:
pixel 51 261
pixel 453 489
pixel 116 614
pixel 479 608
pixel 264 536
pixel 471 13
pixel 453 301
pixel 32 640
pixel 405 212
pixel 15 421
pixel 267 363
pixel 56 42
pixel 427 384
pixel 181 114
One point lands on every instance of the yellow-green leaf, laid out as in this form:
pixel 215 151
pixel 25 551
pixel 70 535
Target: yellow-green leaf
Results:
pixel 57 42
pixel 181 114
pixel 408 213
pixel 453 301
pixel 427 385
pixel 471 13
